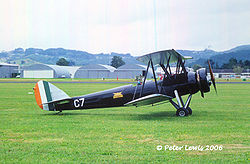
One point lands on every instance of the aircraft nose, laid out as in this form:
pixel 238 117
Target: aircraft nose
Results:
pixel 202 81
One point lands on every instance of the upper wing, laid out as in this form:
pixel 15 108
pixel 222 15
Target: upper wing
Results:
pixel 162 57
pixel 150 99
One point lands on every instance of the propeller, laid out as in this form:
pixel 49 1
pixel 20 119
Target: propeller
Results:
pixel 212 75
pixel 199 83
pixel 202 81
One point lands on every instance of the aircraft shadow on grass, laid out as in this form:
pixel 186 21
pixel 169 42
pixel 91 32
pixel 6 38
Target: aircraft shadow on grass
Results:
pixel 122 116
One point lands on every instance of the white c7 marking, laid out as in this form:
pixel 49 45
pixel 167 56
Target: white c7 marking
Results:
pixel 79 102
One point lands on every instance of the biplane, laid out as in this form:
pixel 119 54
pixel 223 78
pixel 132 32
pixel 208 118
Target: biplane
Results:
pixel 151 92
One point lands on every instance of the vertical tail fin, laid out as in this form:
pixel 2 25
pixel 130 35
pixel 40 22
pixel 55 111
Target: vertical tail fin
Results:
pixel 46 93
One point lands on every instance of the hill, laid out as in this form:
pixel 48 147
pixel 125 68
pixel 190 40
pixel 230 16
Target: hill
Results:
pixel 50 56
pixel 219 58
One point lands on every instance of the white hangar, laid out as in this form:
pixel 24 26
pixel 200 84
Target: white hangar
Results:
pixel 47 71
pixel 95 71
pixel 8 70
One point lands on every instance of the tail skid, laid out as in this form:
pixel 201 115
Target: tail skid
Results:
pixel 46 94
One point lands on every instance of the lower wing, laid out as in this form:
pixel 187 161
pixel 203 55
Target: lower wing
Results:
pixel 149 99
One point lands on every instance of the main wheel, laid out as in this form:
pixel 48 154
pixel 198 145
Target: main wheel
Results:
pixel 182 112
pixel 189 111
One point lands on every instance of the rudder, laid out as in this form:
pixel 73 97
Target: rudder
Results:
pixel 46 94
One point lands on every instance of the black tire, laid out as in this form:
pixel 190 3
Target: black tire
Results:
pixel 189 111
pixel 182 112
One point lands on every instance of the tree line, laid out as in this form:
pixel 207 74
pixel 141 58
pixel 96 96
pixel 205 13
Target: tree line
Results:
pixel 116 62
pixel 233 63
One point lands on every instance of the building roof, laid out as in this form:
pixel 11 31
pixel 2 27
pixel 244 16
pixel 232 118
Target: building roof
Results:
pixel 132 67
pixel 71 69
pixel 97 67
pixel 6 64
pixel 110 68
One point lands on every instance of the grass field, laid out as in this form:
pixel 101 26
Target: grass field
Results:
pixel 125 134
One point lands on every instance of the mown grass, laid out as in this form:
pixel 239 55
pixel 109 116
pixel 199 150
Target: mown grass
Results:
pixel 125 134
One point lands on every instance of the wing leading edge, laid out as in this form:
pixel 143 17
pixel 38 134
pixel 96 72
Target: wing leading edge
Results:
pixel 149 99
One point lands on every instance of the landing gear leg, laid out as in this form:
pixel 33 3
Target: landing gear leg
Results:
pixel 182 110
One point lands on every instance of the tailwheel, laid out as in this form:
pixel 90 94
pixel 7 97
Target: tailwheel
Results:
pixel 189 110
pixel 182 112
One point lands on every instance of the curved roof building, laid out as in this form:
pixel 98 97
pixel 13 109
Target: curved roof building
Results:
pixel 132 67
pixel 132 70
pixel 95 71
pixel 45 71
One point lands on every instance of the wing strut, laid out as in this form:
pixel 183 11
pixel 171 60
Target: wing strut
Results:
pixel 182 63
pixel 154 76
pixel 156 86
pixel 168 65
pixel 145 78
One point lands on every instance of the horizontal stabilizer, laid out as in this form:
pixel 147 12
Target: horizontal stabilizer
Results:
pixel 58 101
pixel 150 99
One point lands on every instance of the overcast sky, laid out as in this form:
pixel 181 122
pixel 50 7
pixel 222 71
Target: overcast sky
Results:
pixel 125 26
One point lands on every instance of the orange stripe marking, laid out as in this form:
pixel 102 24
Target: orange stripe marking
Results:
pixel 38 96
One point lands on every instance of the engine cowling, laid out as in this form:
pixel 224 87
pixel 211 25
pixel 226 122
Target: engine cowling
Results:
pixel 202 82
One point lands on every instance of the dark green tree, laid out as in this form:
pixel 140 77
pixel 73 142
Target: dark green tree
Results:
pixel 238 70
pixel 211 62
pixel 117 61
pixel 247 64
pixel 231 63
pixel 217 66
pixel 62 62
pixel 240 63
